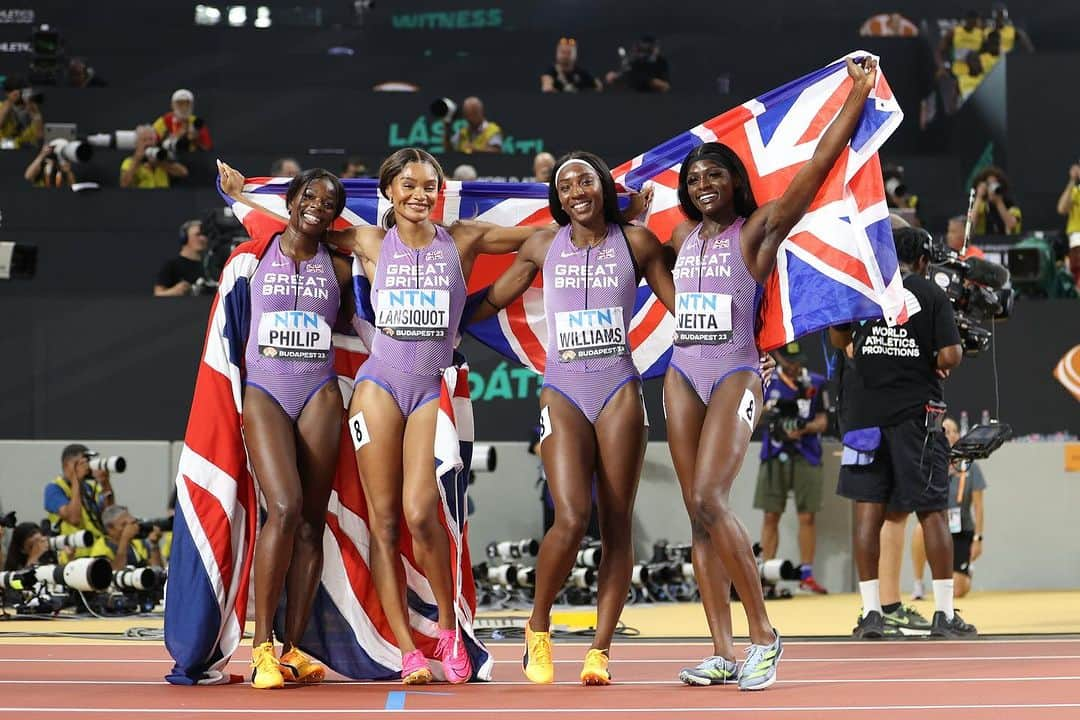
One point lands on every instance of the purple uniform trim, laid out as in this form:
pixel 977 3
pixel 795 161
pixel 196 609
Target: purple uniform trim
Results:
pixel 419 291
pixel 585 290
pixel 289 298
pixel 716 266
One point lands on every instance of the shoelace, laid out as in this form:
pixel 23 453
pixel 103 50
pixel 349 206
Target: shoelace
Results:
pixel 265 659
pixel 542 650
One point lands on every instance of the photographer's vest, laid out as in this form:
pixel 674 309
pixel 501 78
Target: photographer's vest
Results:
pixel 104 547
pixel 91 519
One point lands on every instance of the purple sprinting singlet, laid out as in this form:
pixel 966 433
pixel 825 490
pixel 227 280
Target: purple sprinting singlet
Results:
pixel 294 305
pixel 716 307
pixel 589 298
pixel 418 297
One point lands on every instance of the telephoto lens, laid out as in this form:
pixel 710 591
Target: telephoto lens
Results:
pixel 503 575
pixel 582 577
pixel 73 541
pixel 589 557
pixel 133 578
pixel 17 579
pixel 112 463
pixel 147 526
pixel 86 574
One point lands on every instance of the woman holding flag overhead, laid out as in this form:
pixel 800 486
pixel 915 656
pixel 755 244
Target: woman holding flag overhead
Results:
pixel 712 389
pixel 592 413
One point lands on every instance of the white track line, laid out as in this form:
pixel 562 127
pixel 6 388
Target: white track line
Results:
pixel 673 682
pixel 545 711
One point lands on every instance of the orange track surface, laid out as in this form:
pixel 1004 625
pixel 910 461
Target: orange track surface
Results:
pixel 985 679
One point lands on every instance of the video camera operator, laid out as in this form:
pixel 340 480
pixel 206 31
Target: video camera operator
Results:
pixel 122 543
pixel 896 455
pixel 75 500
pixel 185 274
pixel 791 457
pixel 644 69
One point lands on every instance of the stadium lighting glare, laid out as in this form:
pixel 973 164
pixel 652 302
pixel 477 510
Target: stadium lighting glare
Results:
pixel 237 15
pixel 262 17
pixel 207 15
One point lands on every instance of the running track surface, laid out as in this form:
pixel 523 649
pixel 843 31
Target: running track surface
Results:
pixel 984 679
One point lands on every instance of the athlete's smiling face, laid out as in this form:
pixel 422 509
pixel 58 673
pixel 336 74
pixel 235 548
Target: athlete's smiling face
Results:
pixel 415 191
pixel 580 192
pixel 312 210
pixel 710 186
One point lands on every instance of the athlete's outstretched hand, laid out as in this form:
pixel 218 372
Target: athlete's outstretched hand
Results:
pixel 232 180
pixel 864 72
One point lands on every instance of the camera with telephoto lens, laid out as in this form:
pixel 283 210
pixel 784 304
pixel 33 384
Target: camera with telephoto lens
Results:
pixel 138 578
pixel 513 549
pixel 147 526
pixel 84 574
pixel 111 463
pixel 73 151
pixel 73 541
pixel 975 288
pixel 782 416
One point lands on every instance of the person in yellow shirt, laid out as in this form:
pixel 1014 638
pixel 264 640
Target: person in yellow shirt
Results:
pixel 478 135
pixel 1010 34
pixel 75 499
pixel 21 122
pixel 120 544
pixel 1069 202
pixel 995 211
pixel 968 72
pixel 962 39
pixel 149 167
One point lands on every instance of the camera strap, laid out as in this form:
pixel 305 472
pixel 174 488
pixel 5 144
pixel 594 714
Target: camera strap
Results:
pixel 935 418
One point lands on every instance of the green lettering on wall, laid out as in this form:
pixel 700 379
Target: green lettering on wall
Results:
pixel 449 20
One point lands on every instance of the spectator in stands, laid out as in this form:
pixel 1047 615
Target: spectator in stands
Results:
pixel 1000 21
pixel 962 39
pixel 954 237
pixel 81 75
pixel 644 69
pixel 75 500
pixel 120 543
pixel 354 168
pixel 181 126
pixel 543 164
pixel 478 135
pixel 566 75
pixel 28 547
pixel 898 196
pixel 465 172
pixel 184 274
pixel 48 169
pixel 888 25
pixel 1072 260
pixel 995 211
pixel 1069 202
pixel 21 122
pixel 285 167
pixel 149 167
pixel 968 72
pixel 990 52
pixel 966 488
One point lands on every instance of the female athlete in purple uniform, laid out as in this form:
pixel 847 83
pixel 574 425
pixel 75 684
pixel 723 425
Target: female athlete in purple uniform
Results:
pixel 592 413
pixel 712 392
pixel 292 413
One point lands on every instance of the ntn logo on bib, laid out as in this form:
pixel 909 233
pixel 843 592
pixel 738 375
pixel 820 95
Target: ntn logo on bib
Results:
pixel 412 314
pixel 294 335
pixel 586 334
pixel 702 318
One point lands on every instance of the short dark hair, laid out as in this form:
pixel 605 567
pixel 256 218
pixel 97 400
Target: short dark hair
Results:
pixel 725 157
pixel 73 451
pixel 607 187
pixel 911 244
pixel 16 558
pixel 306 177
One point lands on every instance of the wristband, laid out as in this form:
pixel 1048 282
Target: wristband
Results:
pixel 977 538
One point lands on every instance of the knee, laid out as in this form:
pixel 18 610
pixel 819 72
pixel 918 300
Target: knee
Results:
pixel 423 522
pixel 707 509
pixel 284 514
pixel 572 522
pixel 310 531
pixel 806 519
pixel 385 530
pixel 772 520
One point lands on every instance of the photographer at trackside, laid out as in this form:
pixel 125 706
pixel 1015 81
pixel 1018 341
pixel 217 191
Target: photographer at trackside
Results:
pixel 149 166
pixel 76 499
pixel 121 543
pixel 791 457
pixel 895 452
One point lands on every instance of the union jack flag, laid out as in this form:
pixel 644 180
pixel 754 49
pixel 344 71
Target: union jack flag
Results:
pixel 217 514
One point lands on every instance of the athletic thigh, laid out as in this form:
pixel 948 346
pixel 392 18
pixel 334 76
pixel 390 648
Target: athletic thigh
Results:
pixel 620 437
pixel 685 415
pixel 376 429
pixel 421 495
pixel 270 438
pixel 729 422
pixel 318 439
pixel 568 450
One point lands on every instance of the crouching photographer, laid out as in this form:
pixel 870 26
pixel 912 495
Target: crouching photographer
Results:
pixel 895 452
pixel 791 457
pixel 127 541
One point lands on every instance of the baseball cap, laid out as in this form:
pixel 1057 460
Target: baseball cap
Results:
pixel 1074 240
pixel 792 351
pixel 75 450
pixel 183 94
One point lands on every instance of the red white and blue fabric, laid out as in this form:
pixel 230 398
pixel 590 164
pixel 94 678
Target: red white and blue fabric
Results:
pixel 217 513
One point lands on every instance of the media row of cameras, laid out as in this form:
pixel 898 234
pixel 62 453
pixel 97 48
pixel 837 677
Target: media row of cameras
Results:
pixel 82 150
pixel 85 582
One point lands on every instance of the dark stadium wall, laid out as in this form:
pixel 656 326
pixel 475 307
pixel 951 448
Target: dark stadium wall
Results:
pixel 124 368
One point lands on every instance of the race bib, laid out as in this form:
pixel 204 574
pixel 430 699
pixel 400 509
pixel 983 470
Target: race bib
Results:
pixel 955 524
pixel 294 335
pixel 411 314
pixel 702 318
pixel 590 334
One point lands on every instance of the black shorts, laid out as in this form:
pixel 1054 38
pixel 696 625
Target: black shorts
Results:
pixel 961 552
pixel 909 472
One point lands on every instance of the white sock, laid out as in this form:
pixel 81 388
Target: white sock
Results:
pixel 918 588
pixel 943 599
pixel 871 596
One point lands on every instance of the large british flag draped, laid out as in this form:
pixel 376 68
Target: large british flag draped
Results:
pixel 217 513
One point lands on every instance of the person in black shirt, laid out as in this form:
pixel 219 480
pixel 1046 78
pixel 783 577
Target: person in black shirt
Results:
pixel 180 275
pixel 566 75
pixel 644 70
pixel 895 454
